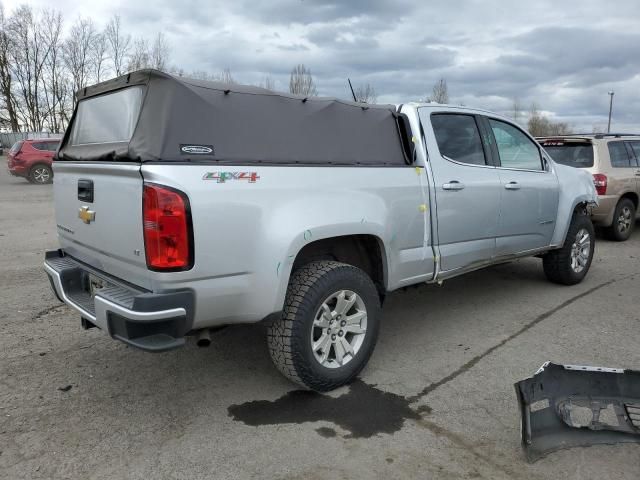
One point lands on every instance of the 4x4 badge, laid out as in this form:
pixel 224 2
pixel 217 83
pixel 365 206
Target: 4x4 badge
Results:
pixel 86 215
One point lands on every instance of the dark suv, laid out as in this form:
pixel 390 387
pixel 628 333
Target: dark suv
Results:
pixel 31 159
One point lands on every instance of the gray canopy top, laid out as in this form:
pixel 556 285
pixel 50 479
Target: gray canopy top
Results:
pixel 173 118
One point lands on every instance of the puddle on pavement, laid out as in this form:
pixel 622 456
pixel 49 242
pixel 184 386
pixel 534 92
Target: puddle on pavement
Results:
pixel 364 411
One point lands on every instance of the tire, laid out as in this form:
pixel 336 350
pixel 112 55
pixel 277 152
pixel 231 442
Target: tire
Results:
pixel 41 174
pixel 570 264
pixel 624 219
pixel 309 305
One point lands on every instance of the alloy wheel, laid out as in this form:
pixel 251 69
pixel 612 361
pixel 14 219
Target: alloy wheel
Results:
pixel 580 250
pixel 41 175
pixel 339 328
pixel 624 220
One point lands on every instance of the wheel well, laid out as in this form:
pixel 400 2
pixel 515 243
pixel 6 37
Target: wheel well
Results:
pixel 38 164
pixel 631 196
pixel 581 208
pixel 362 251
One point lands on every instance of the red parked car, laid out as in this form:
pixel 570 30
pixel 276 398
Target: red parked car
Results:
pixel 31 159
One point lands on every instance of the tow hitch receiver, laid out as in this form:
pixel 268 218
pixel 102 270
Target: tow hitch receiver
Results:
pixel 564 406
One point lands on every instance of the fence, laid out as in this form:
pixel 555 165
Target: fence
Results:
pixel 8 139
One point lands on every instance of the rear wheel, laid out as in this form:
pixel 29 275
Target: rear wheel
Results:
pixel 329 325
pixel 570 264
pixel 624 219
pixel 41 174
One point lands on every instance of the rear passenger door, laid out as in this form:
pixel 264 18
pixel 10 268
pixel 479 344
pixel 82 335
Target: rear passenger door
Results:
pixel 467 189
pixel 529 190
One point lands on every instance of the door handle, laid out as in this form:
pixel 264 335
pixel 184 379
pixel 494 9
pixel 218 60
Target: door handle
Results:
pixel 453 185
pixel 638 173
pixel 512 186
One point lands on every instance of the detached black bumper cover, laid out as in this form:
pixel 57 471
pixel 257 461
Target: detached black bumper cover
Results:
pixel 565 406
pixel 154 322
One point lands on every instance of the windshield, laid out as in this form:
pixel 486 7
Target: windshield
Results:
pixel 108 118
pixel 574 154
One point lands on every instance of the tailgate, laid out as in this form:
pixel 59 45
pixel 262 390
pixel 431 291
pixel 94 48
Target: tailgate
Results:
pixel 104 231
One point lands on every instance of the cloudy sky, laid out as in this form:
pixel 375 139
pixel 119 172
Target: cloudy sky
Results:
pixel 563 55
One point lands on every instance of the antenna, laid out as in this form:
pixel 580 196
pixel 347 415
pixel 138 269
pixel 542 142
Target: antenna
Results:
pixel 352 92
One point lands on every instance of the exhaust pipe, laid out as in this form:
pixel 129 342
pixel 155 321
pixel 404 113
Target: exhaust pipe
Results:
pixel 204 338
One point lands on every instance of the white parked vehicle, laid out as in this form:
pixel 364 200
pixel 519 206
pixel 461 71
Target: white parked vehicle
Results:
pixel 184 205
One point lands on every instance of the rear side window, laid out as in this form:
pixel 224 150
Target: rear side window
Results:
pixel 53 146
pixel 635 147
pixel 619 155
pixel 516 150
pixel 573 154
pixel 16 147
pixel 42 146
pixel 458 138
pixel 108 118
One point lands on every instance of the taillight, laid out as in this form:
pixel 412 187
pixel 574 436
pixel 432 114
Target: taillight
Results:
pixel 600 181
pixel 168 238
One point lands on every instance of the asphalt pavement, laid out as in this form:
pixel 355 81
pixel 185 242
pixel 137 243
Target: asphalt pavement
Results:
pixel 436 401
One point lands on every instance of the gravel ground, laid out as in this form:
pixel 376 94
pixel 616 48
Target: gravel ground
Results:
pixel 436 400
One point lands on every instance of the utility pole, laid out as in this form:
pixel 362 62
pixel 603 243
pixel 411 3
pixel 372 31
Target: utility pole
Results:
pixel 611 93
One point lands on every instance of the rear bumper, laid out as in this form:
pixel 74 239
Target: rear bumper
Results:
pixel 18 170
pixel 153 322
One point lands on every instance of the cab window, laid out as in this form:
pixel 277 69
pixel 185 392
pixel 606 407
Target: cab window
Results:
pixel 458 138
pixel 515 149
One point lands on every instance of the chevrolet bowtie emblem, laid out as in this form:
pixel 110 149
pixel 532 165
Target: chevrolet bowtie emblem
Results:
pixel 86 215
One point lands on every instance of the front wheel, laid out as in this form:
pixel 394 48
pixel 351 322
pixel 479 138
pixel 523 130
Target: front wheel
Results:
pixel 570 264
pixel 329 325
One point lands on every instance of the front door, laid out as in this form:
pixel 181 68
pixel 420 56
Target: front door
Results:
pixel 529 191
pixel 467 189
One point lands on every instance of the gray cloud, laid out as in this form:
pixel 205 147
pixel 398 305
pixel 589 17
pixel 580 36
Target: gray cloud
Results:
pixel 306 12
pixel 564 56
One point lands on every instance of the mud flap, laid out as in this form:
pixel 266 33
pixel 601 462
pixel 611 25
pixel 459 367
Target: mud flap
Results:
pixel 564 406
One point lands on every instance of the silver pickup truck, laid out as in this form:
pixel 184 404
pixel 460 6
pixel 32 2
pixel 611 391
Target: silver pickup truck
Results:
pixel 183 205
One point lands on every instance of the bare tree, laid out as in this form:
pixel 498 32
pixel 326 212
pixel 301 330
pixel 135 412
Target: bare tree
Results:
pixel 225 77
pixel 28 54
pixel 559 128
pixel 516 109
pixel 366 94
pixel 139 57
pixel 440 92
pixel 79 52
pixel 301 82
pixel 55 83
pixel 268 82
pixel 159 53
pixel 537 124
pixel 540 126
pixel 118 43
pixel 99 56
pixel 9 117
